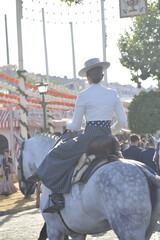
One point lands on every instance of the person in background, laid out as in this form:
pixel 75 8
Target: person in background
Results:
pixel 142 143
pixel 7 187
pixel 1 157
pixel 133 151
pixel 146 156
pixel 123 146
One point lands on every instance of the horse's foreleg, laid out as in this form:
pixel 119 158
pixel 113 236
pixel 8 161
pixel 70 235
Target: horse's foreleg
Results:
pixel 55 234
pixel 59 236
pixel 81 237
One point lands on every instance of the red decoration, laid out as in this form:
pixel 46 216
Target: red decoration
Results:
pixel 8 98
pixel 31 86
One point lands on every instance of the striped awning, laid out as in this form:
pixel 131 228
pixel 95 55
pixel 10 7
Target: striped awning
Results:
pixel 34 118
pixel 4 115
pixel 6 124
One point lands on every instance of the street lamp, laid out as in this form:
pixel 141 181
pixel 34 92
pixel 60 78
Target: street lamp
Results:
pixel 42 88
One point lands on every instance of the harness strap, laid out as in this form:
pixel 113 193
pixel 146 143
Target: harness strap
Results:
pixel 66 226
pixel 21 172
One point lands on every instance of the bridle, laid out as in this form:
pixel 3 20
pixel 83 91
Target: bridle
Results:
pixel 23 183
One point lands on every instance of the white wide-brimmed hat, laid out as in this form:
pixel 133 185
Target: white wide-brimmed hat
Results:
pixel 92 63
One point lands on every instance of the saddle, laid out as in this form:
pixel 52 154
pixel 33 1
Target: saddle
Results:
pixel 102 151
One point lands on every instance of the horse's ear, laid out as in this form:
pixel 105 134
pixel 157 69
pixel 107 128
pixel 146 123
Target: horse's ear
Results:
pixel 20 140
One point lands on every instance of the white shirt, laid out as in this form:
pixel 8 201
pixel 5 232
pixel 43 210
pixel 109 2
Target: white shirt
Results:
pixel 98 103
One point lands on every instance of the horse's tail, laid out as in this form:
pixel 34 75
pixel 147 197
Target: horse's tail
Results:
pixel 154 186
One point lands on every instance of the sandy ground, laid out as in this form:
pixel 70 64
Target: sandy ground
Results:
pixel 15 200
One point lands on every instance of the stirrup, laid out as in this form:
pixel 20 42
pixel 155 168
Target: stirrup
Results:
pixel 56 203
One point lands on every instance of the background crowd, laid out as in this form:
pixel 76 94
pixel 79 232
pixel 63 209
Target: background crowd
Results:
pixel 140 149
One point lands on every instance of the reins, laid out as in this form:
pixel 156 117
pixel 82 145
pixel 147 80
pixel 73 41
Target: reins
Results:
pixel 20 161
pixel 21 172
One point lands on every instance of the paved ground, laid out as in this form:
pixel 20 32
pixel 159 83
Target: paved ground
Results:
pixel 26 225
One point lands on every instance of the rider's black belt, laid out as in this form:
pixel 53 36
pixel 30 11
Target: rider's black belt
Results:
pixel 104 123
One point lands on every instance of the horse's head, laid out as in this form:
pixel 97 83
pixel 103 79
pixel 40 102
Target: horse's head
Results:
pixel 26 187
pixel 157 152
pixel 33 151
pixel 157 155
pixel 154 140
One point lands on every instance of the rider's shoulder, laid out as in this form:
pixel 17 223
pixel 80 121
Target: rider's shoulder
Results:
pixel 111 91
pixel 99 88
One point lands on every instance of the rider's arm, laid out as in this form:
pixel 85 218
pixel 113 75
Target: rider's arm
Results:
pixel 76 122
pixel 121 117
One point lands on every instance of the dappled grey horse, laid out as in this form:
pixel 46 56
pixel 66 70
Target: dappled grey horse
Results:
pixel 121 195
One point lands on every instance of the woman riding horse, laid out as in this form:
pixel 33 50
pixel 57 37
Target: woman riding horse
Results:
pixel 98 104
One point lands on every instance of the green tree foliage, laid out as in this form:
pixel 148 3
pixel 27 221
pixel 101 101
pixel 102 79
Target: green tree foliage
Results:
pixel 144 113
pixel 69 2
pixel 140 46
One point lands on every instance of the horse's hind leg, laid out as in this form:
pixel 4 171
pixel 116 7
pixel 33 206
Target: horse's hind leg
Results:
pixel 56 235
pixel 128 230
pixel 81 237
pixel 61 236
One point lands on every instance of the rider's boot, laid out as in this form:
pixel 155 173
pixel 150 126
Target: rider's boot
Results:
pixel 55 204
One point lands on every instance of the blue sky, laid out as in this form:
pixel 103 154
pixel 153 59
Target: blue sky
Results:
pixel 86 20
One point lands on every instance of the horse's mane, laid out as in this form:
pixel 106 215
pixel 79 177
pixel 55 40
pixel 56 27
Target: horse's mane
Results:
pixel 48 135
pixel 45 138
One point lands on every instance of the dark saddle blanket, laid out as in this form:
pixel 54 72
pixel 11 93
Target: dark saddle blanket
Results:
pixel 102 150
pixel 88 165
